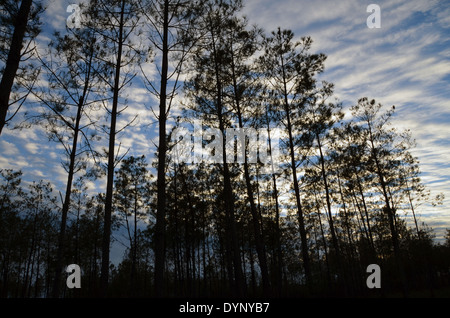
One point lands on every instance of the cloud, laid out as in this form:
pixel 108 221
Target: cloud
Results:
pixel 55 13
pixel 405 63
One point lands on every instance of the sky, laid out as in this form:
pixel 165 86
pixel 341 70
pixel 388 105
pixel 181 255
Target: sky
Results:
pixel 405 62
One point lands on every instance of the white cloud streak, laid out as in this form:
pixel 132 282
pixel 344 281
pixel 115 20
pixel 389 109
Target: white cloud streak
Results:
pixel 405 63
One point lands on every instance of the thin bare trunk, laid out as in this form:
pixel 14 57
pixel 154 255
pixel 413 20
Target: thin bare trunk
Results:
pixel 13 61
pixel 111 161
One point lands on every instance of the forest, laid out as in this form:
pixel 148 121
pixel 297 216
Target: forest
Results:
pixel 337 191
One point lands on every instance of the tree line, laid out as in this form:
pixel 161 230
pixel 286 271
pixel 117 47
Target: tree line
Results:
pixel 345 186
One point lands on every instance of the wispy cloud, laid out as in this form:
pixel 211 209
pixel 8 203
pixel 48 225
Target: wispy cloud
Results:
pixel 405 63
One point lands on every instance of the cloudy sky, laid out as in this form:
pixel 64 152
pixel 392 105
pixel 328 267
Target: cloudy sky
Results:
pixel 405 62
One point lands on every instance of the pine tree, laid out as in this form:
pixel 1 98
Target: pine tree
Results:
pixel 317 120
pixel 131 197
pixel 207 91
pixel 240 46
pixel 172 30
pixel 116 26
pixel 68 103
pixel 22 24
pixel 290 70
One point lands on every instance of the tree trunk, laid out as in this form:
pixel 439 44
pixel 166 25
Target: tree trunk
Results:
pixel 302 229
pixel 162 149
pixel 279 252
pixel 65 209
pixel 257 227
pixel 327 197
pixel 233 249
pixel 390 213
pixel 13 61
pixel 111 156
pixel 66 204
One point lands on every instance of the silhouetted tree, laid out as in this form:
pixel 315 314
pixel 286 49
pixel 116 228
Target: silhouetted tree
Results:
pixel 116 24
pixel 290 70
pixel 172 30
pixel 131 199
pixel 20 24
pixel 69 99
pixel 207 90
